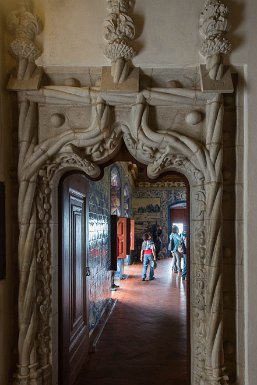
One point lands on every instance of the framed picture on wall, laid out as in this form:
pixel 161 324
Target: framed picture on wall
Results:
pixel 2 232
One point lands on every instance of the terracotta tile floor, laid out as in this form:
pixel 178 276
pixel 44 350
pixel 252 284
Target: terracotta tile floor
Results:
pixel 144 341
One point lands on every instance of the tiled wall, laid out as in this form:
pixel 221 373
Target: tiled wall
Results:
pixel 99 245
pixel 99 234
pixel 98 248
pixel 167 197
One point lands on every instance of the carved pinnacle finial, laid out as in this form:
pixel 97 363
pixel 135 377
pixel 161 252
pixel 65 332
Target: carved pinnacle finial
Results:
pixel 24 25
pixel 119 28
pixel 213 25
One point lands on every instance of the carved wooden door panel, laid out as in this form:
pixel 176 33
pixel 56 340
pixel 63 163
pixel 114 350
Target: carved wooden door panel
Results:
pixel 73 326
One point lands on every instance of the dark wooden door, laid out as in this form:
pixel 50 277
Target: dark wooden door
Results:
pixel 179 215
pixel 73 325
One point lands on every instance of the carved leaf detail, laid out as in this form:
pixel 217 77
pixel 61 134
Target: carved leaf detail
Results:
pixel 120 5
pixel 213 19
pixel 214 45
pixel 118 29
pixel 119 26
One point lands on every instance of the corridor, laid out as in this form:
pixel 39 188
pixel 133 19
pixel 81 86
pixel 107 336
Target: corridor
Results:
pixel 145 338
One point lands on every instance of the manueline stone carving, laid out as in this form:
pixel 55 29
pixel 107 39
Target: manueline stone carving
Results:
pixel 24 25
pixel 213 19
pixel 119 26
pixel 200 244
pixel 119 29
pixel 164 161
pixel 215 45
pixel 86 147
pixel 116 6
pixel 213 26
pixel 201 203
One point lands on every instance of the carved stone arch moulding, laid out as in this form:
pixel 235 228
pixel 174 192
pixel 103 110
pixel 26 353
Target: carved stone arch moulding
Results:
pixel 61 128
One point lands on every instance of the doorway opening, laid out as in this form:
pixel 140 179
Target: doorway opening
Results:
pixel 148 204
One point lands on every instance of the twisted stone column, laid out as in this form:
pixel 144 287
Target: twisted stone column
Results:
pixel 213 262
pixel 26 250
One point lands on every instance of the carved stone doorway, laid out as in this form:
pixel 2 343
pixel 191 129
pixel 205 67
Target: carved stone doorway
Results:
pixel 64 128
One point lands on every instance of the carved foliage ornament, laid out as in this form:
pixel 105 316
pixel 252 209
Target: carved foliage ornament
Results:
pixel 24 25
pixel 213 26
pixel 213 19
pixel 119 29
pixel 116 6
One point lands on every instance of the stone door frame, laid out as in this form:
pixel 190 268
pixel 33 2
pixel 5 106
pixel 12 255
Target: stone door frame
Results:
pixel 65 147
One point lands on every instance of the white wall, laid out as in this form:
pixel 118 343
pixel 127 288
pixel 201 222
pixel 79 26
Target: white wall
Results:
pixel 167 32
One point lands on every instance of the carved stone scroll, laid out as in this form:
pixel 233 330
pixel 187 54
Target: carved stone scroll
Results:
pixel 119 29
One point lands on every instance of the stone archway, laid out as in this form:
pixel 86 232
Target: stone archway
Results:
pixel 54 137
